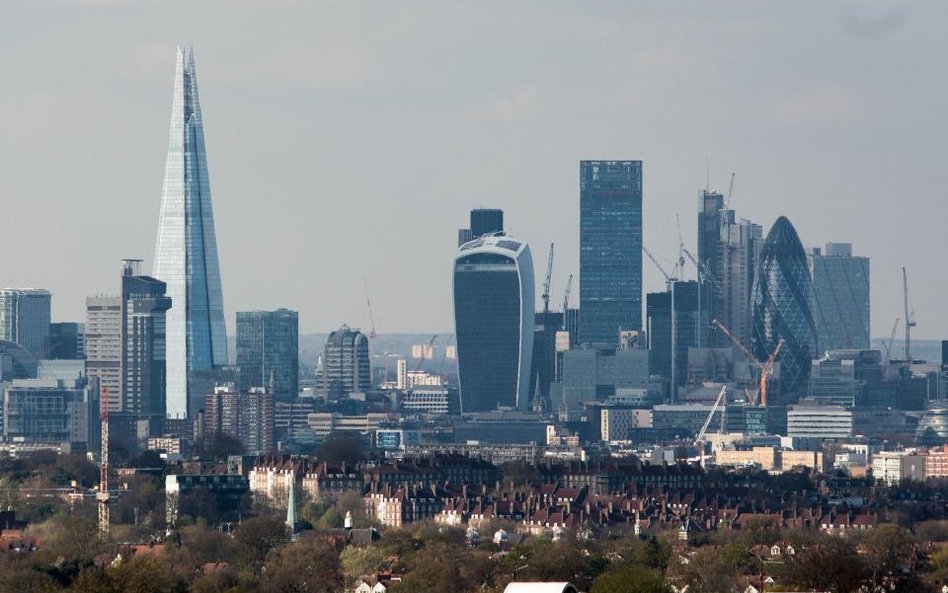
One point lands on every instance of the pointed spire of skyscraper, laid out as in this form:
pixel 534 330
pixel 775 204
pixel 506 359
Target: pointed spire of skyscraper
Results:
pixel 186 248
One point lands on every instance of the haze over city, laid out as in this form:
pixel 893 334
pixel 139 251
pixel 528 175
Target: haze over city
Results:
pixel 347 141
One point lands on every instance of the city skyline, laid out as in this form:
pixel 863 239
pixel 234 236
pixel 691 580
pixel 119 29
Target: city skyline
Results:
pixel 800 126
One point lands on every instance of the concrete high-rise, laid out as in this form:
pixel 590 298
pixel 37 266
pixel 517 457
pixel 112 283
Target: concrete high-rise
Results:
pixel 104 345
pixel 781 306
pixel 144 310
pixel 610 250
pixel 24 318
pixel 186 248
pixel 739 247
pixel 494 322
pixel 344 368
pixel 268 351
pixel 840 297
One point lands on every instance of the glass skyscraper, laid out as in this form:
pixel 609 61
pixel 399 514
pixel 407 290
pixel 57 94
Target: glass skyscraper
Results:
pixel 781 307
pixel 840 297
pixel 186 249
pixel 144 312
pixel 268 351
pixel 610 250
pixel 494 322
pixel 24 318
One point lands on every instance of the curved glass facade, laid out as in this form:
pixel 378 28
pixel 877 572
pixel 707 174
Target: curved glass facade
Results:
pixel 781 307
pixel 186 249
pixel 493 320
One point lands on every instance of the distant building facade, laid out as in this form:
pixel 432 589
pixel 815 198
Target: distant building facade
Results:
pixel 104 345
pixel 610 250
pixel 345 364
pixel 494 322
pixel 144 306
pixel 51 412
pixel 25 318
pixel 268 351
pixel 840 297
pixel 67 341
pixel 248 417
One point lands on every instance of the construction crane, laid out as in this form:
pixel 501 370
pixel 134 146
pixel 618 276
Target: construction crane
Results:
pixel 707 422
pixel 680 263
pixel 909 318
pixel 668 278
pixel 569 288
pixel 546 283
pixel 765 367
pixel 103 495
pixel 730 190
pixel 428 348
pixel 888 345
pixel 373 337
pixel 703 270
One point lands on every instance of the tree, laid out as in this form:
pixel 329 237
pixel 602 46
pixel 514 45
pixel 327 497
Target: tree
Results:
pixel 888 550
pixel 220 446
pixel 310 566
pixel 707 572
pixel 830 565
pixel 628 578
pixel 342 447
pixel 256 537
pixel 358 562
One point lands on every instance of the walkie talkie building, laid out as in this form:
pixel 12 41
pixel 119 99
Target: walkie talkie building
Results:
pixel 493 321
pixel 186 249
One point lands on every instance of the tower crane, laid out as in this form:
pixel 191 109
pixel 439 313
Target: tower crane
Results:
pixel 428 348
pixel 668 278
pixel 909 318
pixel 103 495
pixel 680 262
pixel 703 270
pixel 546 283
pixel 765 367
pixel 569 288
pixel 707 422
pixel 888 345
pixel 730 190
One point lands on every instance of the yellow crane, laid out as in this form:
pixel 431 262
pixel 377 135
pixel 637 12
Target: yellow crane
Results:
pixel 765 367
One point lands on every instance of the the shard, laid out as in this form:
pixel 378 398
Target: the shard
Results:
pixel 186 249
pixel 781 306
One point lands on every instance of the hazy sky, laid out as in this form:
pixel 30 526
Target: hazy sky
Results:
pixel 349 139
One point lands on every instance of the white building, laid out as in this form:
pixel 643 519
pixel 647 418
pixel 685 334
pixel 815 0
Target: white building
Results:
pixel 816 421
pixel 616 423
pixel 891 467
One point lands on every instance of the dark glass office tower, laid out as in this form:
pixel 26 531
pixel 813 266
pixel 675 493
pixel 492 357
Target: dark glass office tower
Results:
pixel 494 322
pixel 675 321
pixel 268 351
pixel 840 297
pixel 144 307
pixel 610 250
pixel 781 306
pixel 485 221
pixel 66 341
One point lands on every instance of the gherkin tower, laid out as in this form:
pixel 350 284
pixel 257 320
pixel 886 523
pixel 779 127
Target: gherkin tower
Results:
pixel 781 308
pixel 186 248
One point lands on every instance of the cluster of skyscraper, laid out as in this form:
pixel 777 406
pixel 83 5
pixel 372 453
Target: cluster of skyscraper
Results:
pixel 768 295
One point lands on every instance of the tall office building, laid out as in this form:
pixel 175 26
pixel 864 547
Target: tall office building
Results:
pixel 104 345
pixel 484 221
pixel 675 322
pixel 248 417
pixel 144 311
pixel 543 362
pixel 610 250
pixel 24 318
pixel 344 365
pixel 186 248
pixel 268 351
pixel 840 297
pixel 494 322
pixel 781 307
pixel 67 341
pixel 739 248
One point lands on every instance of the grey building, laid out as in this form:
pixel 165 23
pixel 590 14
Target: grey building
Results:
pixel 840 297
pixel 599 374
pixel 494 322
pixel 833 381
pixel 739 249
pixel 268 351
pixel 104 345
pixel 484 221
pixel 186 249
pixel 248 417
pixel 144 310
pixel 676 322
pixel 610 250
pixel 51 412
pixel 344 367
pixel 67 341
pixel 25 317
pixel 16 362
